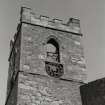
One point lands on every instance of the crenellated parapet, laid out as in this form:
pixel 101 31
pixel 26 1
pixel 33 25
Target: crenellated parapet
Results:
pixel 27 15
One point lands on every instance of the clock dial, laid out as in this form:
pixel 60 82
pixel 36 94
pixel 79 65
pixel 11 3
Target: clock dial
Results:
pixel 54 69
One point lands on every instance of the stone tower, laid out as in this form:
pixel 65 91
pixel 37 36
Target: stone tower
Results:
pixel 46 62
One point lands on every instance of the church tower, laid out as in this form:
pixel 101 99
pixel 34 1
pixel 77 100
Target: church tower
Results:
pixel 46 62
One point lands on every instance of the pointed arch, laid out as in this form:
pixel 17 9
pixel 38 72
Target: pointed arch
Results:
pixel 53 49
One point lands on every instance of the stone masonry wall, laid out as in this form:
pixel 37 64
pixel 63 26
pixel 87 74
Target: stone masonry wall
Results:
pixel 27 15
pixel 14 61
pixel 33 55
pixel 42 90
pixel 12 98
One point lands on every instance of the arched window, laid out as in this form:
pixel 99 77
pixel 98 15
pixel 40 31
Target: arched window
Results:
pixel 52 50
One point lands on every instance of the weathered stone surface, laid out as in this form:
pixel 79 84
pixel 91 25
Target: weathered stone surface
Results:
pixel 71 51
pixel 29 16
pixel 42 90
pixel 26 67
pixel 14 61
pixel 12 96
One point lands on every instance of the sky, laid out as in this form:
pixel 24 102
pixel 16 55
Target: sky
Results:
pixel 92 17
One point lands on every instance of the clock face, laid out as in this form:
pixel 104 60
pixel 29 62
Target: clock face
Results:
pixel 54 69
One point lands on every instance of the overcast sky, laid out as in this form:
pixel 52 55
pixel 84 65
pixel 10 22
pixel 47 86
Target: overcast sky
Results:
pixel 92 17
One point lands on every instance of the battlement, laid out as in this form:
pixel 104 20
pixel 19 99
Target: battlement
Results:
pixel 27 15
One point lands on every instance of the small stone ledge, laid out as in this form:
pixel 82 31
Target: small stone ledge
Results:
pixel 27 15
